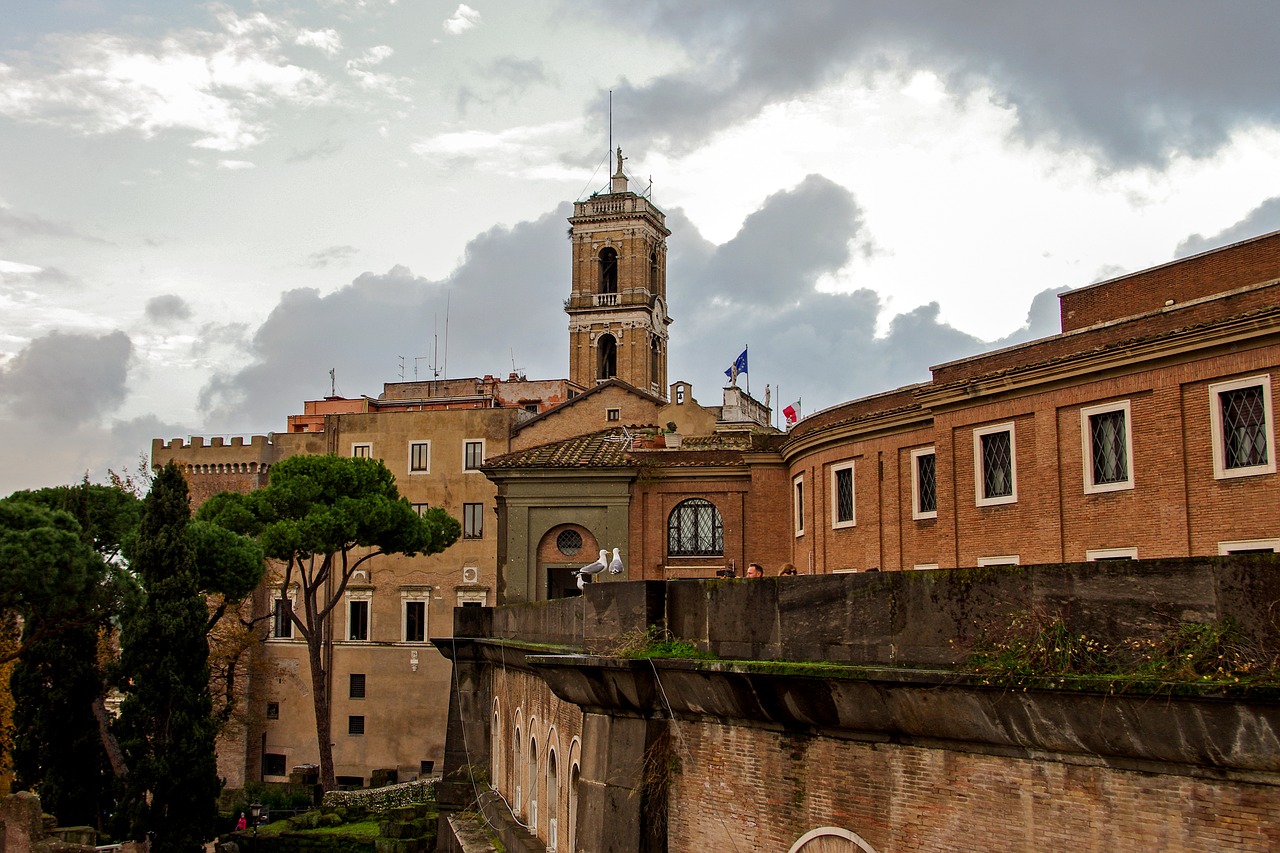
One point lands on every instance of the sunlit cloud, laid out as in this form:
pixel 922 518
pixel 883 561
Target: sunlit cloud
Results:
pixel 464 18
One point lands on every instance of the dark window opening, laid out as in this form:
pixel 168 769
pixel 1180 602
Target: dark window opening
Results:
pixel 273 764
pixel 607 361
pixel 694 530
pixel 358 622
pixel 997 465
pixel 1244 427
pixel 357 685
pixel 927 482
pixel 355 725
pixel 472 521
pixel 281 623
pixel 844 495
pixel 273 710
pixel 608 271
pixel 1107 437
pixel 415 621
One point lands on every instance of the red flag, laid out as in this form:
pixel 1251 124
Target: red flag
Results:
pixel 792 413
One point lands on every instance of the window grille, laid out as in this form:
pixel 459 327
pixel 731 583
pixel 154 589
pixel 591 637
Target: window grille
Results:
pixel 694 530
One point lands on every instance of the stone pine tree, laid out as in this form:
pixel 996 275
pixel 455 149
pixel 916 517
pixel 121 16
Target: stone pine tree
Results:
pixel 322 518
pixel 56 572
pixel 166 726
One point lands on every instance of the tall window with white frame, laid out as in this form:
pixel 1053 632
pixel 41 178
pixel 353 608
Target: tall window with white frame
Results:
pixel 1241 423
pixel 362 450
pixel 1107 447
pixel 281 618
pixel 995 465
pixel 419 457
pixel 472 454
pixel 842 496
pixel 924 484
pixel 473 521
pixel 414 604
pixel 797 503
pixel 358 618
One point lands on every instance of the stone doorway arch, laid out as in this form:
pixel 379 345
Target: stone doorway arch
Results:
pixel 831 839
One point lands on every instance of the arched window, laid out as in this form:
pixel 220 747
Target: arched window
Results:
pixel 655 358
pixel 655 270
pixel 607 361
pixel 608 270
pixel 495 746
pixel 694 530
pixel 574 773
pixel 531 779
pixel 515 769
pixel 553 801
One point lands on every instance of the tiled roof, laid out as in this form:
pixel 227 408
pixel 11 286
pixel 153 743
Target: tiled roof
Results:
pixel 606 449
pixel 611 449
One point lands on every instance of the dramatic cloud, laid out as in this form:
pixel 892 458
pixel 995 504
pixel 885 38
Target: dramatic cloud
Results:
pixel 505 302
pixel 67 379
pixel 219 85
pixel 1139 81
pixel 169 308
pixel 1263 219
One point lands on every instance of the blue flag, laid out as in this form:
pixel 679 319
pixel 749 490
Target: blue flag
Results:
pixel 740 363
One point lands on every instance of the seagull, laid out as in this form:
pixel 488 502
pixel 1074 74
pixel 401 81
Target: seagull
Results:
pixel 615 565
pixel 593 569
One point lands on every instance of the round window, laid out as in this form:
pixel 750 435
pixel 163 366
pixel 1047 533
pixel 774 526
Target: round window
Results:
pixel 569 542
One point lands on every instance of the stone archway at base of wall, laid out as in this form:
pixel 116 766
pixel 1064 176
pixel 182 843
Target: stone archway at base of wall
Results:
pixel 831 839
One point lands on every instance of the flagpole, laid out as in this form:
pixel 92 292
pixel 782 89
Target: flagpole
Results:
pixel 744 351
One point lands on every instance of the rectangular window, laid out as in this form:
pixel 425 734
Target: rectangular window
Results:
pixel 1107 447
pixel 362 451
pixel 358 620
pixel 1097 555
pixel 1249 546
pixel 281 623
pixel 273 764
pixel 1240 418
pixel 355 725
pixel 797 503
pixel 995 468
pixel 420 509
pixel 924 484
pixel 1002 560
pixel 415 621
pixel 472 455
pixel 357 685
pixel 273 710
pixel 613 414
pixel 419 457
pixel 842 503
pixel 472 521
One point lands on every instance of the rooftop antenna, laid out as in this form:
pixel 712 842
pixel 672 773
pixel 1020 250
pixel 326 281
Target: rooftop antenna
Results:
pixel 609 152
pixel 333 383
pixel 401 367
pixel 448 296
pixel 515 371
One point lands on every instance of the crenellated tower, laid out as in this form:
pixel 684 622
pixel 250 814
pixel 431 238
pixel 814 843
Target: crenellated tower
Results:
pixel 618 308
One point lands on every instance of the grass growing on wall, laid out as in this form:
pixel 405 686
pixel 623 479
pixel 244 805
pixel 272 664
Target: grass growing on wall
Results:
pixel 655 642
pixel 1038 645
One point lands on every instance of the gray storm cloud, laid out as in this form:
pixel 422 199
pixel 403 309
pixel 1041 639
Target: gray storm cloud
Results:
pixel 1135 81
pixel 167 308
pixel 505 302
pixel 66 378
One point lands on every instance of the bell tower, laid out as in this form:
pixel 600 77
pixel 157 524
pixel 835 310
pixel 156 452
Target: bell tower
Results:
pixel 618 307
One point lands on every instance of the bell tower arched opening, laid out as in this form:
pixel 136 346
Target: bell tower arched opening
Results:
pixel 607 360
pixel 608 270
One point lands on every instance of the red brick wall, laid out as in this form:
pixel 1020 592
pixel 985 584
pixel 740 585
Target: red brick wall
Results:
pixel 1176 507
pixel 740 788
pixel 1213 272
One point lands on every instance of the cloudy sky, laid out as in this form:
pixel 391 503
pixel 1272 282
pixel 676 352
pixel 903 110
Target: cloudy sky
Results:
pixel 206 207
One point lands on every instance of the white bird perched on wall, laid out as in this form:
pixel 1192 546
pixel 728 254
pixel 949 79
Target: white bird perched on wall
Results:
pixel 593 569
pixel 615 565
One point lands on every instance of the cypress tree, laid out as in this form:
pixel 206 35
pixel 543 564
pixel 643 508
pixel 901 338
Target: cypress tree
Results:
pixel 166 725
